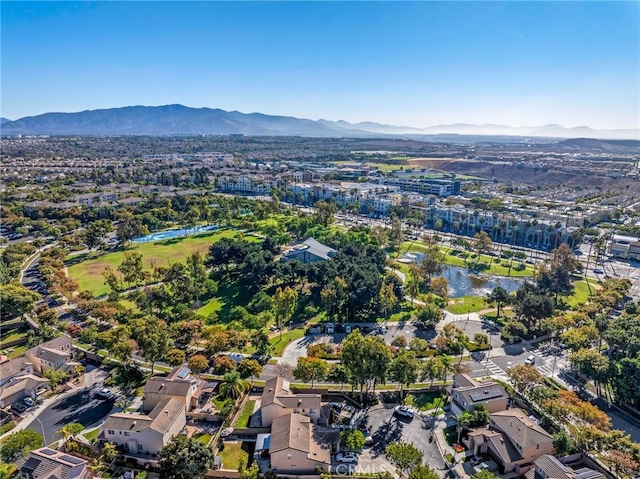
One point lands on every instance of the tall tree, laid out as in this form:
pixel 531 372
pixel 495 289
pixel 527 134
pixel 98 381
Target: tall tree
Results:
pixel 284 305
pixel 198 363
pixel 153 340
pixel 405 369
pixel 16 300
pixel 185 458
pixel 404 456
pixel 388 298
pixel 498 296
pixel 482 244
pixel 310 369
pixel 131 267
pixel 19 444
pixel 232 385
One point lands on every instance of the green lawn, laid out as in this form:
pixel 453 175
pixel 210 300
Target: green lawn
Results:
pixel 580 294
pixel 92 435
pixel 219 402
pixel 465 304
pixel 204 438
pixel 245 416
pixel 232 454
pixel 87 269
pixel 212 306
pixel 429 401
pixel 13 336
pixel 278 343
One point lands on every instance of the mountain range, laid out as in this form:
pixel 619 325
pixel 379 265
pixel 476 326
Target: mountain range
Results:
pixel 182 120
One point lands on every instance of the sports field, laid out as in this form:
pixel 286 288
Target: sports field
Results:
pixel 87 269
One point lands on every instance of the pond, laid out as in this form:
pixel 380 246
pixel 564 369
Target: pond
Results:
pixel 464 283
pixel 161 235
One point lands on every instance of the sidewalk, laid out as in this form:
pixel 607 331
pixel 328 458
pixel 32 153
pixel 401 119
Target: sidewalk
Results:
pixel 33 415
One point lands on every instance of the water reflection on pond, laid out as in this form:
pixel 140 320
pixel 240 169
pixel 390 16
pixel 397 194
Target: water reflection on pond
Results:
pixel 464 283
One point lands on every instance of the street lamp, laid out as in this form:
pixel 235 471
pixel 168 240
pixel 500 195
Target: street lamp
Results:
pixel 44 437
pixel 290 323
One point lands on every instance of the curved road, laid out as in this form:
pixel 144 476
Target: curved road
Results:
pixel 80 406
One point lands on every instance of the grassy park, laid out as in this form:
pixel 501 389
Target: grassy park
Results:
pixel 87 269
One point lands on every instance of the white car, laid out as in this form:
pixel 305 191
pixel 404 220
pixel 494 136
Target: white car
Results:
pixel 403 411
pixel 530 361
pixel 104 393
pixel 348 457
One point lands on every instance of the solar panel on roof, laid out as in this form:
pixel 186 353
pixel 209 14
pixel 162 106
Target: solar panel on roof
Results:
pixel 183 373
pixel 490 393
pixel 71 459
pixel 48 452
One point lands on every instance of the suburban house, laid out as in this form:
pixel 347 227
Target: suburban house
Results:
pixel 11 368
pixel 295 446
pixel 278 400
pixel 308 252
pixel 467 393
pixel 511 439
pixel 55 354
pixel 550 467
pixel 137 434
pixel 45 463
pixel 177 385
pixel 20 387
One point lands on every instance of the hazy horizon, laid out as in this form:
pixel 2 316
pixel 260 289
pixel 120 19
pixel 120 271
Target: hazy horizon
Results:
pixel 415 64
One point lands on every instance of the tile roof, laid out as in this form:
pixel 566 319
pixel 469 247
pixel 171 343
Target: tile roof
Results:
pixel 519 428
pixel 553 468
pixel 21 383
pixel 13 367
pixel 159 419
pixel 51 350
pixel 172 387
pixel 295 431
pixel 277 391
pixel 45 463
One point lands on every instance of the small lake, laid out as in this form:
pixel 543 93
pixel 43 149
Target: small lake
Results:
pixel 463 283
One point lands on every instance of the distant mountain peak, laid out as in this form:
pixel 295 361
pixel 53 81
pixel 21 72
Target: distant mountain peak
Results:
pixel 175 118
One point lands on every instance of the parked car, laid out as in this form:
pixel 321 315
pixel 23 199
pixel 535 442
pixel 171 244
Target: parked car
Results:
pixel 348 457
pixel 531 360
pixel 403 411
pixel 104 393
pixel 347 329
pixel 29 402
pixel 598 271
pixel 19 407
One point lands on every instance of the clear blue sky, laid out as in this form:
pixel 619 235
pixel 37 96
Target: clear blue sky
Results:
pixel 416 64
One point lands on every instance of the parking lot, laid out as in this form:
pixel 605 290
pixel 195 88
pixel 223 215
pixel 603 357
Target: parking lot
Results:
pixel 385 427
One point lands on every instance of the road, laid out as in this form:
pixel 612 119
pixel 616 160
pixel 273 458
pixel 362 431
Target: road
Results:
pixel 80 406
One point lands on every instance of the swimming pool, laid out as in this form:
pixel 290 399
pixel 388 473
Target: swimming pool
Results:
pixel 161 235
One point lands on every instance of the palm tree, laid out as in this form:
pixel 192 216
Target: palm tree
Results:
pixel 464 420
pixel 233 385
pixel 447 367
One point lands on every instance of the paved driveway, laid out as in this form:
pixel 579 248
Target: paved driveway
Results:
pixel 385 427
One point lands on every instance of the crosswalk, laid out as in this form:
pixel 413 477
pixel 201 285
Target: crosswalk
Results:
pixel 494 369
pixel 541 365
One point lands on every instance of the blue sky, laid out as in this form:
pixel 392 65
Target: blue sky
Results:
pixel 416 63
